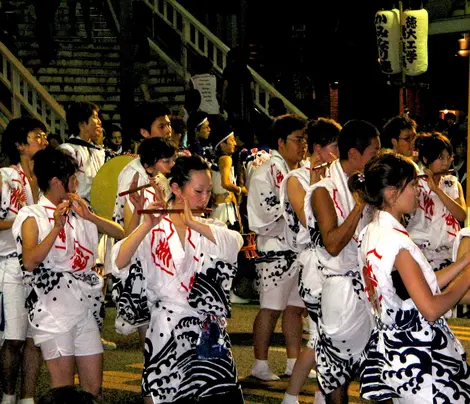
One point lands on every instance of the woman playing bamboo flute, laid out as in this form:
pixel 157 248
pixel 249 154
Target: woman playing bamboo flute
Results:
pixel 187 263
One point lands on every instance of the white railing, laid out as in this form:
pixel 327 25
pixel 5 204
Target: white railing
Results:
pixel 27 93
pixel 201 40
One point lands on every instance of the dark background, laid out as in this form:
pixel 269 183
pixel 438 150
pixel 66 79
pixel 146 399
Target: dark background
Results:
pixel 334 42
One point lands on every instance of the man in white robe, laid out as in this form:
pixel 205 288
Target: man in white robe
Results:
pixel 21 140
pixel 344 324
pixel 84 124
pixel 277 279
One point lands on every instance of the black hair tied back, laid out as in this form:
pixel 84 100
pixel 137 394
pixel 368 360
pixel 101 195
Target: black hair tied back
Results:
pixel 387 169
pixel 181 172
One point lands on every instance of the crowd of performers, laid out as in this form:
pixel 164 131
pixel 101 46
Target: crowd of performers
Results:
pixel 365 241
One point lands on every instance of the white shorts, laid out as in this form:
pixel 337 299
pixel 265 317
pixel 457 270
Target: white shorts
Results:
pixel 82 340
pixel 16 314
pixel 283 295
pixel 14 299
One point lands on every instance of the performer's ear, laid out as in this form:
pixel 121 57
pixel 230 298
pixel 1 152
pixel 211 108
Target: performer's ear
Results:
pixel 175 188
pixel 391 195
pixel 145 133
pixel 54 182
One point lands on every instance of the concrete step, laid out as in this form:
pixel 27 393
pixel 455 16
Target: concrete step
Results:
pixel 77 63
pixel 97 33
pixel 103 81
pixel 102 71
pixel 74 71
pixel 78 80
pixel 63 24
pixel 75 45
pixel 108 91
pixel 97 98
pixel 80 89
pixel 88 54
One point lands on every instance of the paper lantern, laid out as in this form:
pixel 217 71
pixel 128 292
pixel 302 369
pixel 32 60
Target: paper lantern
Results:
pixel 415 42
pixel 387 28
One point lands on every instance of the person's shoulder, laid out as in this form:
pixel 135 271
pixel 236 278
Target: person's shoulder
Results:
pixel 67 146
pixel 11 171
pixel 31 210
pixel 224 160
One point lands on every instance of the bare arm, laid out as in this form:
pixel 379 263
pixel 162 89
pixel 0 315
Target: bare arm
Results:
pixel 131 243
pixel 296 195
pixel 334 237
pixel 6 224
pixel 105 226
pixel 201 228
pixel 457 207
pixel 464 247
pixel 34 253
pixel 131 219
pixel 225 166
pixel 431 306
pixel 448 274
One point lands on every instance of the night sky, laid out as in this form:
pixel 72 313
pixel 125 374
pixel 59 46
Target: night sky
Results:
pixel 340 45
pixel 335 41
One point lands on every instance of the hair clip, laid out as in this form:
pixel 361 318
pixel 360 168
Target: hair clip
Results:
pixel 361 177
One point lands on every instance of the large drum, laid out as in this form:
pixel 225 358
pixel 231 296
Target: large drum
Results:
pixel 104 186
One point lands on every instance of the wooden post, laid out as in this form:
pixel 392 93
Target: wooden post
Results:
pixel 467 222
pixel 403 100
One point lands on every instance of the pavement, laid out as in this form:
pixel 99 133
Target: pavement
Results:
pixel 123 366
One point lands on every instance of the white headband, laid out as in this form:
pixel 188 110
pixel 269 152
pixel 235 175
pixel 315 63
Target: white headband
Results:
pixel 200 124
pixel 223 140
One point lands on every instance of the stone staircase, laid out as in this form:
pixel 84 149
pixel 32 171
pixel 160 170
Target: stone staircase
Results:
pixel 86 71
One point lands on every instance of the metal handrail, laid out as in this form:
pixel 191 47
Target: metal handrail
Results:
pixel 205 43
pixel 28 93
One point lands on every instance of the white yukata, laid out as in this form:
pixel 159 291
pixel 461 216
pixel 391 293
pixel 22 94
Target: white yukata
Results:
pixel 64 287
pixel 89 160
pixel 124 183
pixel 225 212
pixel 408 359
pixel 184 288
pixel 298 239
pixel 16 193
pixel 265 217
pixel 432 227
pixel 255 160
pixel 334 292
pixel 129 295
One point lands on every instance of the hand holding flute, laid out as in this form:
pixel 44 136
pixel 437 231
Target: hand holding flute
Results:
pixel 433 181
pixel 134 189
pixel 447 172
pixel 165 211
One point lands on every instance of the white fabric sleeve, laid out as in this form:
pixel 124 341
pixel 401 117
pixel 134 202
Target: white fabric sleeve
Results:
pixel 264 205
pixel 228 242
pixel 465 232
pixel 143 252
